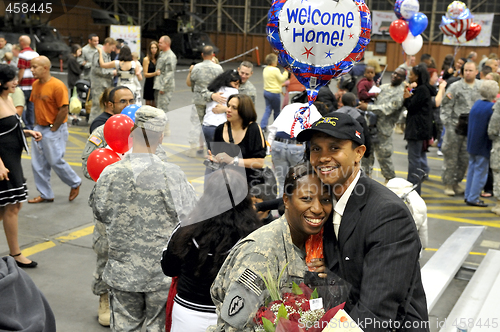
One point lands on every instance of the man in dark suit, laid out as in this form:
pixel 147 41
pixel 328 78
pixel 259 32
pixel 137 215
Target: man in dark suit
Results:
pixel 373 242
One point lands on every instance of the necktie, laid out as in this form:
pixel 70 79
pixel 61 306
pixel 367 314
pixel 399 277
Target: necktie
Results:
pixel 336 223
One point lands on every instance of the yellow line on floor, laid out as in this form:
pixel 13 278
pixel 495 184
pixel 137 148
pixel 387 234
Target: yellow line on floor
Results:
pixel 76 234
pixel 470 253
pixel 37 248
pixel 466 221
pixel 405 154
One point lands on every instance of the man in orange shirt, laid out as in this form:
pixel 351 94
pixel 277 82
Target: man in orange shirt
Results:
pixel 50 97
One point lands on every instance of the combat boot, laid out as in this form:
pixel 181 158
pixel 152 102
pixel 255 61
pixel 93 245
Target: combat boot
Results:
pixel 103 312
pixel 458 189
pixel 496 208
pixel 191 153
pixel 448 190
pixel 166 132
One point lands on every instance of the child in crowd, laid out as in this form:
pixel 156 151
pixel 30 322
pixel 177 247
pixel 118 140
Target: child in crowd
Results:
pixel 365 84
pixel 273 80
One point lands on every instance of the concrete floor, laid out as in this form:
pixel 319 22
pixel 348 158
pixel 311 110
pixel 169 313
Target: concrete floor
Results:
pixel 58 235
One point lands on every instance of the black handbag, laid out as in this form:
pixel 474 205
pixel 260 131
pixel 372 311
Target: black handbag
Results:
pixel 462 125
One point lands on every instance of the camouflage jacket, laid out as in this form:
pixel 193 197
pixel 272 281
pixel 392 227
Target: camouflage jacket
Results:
pixel 248 89
pixel 100 77
pixel 494 135
pixel 202 75
pixel 96 141
pixel 140 199
pixel 458 99
pixel 239 291
pixel 166 65
pixel 388 106
pixel 87 55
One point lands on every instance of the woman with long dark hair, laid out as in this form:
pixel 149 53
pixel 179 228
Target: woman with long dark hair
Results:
pixel 200 244
pixel 149 65
pixel 240 135
pixel 74 68
pixel 126 70
pixel 226 83
pixel 419 122
pixel 13 190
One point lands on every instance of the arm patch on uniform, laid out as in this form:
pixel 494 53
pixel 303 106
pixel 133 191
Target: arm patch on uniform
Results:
pixel 449 95
pixel 96 140
pixel 252 282
pixel 237 303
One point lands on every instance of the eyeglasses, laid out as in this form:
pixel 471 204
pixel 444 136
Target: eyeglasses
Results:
pixel 124 101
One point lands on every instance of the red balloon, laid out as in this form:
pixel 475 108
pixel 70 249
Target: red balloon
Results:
pixel 473 31
pixel 117 132
pixel 98 160
pixel 399 30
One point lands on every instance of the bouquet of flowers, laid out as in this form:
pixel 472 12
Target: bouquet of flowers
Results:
pixel 297 311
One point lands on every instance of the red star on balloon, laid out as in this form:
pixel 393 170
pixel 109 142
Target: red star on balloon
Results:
pixel 308 52
pixel 351 36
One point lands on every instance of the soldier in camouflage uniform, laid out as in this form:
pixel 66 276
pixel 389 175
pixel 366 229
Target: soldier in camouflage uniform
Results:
pixel 494 135
pixel 388 106
pixel 164 85
pixel 88 52
pixel 239 291
pixel 199 77
pixel 140 199
pixel 246 87
pixel 458 100
pixel 101 78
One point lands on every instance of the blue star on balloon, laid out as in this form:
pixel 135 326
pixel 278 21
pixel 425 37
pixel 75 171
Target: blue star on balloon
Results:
pixel 329 54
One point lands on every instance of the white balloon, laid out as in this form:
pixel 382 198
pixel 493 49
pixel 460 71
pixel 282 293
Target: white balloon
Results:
pixel 409 8
pixel 412 44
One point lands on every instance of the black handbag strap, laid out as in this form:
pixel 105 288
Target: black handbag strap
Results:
pixel 230 132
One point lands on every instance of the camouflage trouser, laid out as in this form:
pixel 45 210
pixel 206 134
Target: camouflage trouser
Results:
pixel 496 183
pixel 130 310
pixel 96 93
pixel 163 100
pixel 100 246
pixel 197 115
pixel 456 157
pixel 383 150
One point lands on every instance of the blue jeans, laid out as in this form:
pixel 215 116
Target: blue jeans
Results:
pixel 209 133
pixel 285 156
pixel 417 159
pixel 29 113
pixel 48 154
pixel 273 102
pixel 476 176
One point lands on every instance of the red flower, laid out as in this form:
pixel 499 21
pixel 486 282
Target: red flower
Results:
pixel 274 302
pixel 305 306
pixel 294 317
pixel 266 313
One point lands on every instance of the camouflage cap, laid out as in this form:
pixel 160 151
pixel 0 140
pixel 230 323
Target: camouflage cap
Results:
pixel 150 118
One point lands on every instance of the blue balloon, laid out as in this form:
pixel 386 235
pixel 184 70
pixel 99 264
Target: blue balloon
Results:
pixel 418 23
pixel 130 111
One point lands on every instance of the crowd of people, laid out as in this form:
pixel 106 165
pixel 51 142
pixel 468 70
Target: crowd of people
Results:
pixel 217 249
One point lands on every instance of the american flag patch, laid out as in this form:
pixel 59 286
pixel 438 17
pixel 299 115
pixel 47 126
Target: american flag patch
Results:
pixel 96 140
pixel 252 282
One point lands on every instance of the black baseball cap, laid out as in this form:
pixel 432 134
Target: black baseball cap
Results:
pixel 338 125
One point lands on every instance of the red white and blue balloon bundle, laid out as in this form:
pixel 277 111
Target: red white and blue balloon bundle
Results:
pixel 410 24
pixel 458 20
pixel 318 40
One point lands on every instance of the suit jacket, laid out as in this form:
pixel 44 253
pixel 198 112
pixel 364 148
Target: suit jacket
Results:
pixel 377 252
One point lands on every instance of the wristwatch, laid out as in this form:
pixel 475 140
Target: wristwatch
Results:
pixel 236 160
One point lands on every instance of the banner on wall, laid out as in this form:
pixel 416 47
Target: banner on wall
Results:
pixel 131 34
pixel 483 39
pixel 381 21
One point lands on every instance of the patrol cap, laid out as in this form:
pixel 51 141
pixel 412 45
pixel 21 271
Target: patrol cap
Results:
pixel 150 118
pixel 338 125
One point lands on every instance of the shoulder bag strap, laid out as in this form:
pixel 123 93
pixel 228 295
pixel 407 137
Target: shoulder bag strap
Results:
pixel 230 133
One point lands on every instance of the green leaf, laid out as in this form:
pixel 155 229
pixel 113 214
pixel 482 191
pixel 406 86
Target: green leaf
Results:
pixel 314 294
pixel 282 313
pixel 268 326
pixel 296 289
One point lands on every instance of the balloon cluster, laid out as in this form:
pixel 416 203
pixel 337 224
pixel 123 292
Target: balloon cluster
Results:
pixel 458 20
pixel 410 24
pixel 117 136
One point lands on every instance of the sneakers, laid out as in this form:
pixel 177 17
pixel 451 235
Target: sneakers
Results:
pixel 439 153
pixel 448 190
pixel 496 208
pixel 458 189
pixel 103 312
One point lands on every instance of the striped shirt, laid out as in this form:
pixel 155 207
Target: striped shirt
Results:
pixel 25 57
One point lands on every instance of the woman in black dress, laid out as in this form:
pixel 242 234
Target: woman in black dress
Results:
pixel 149 65
pixel 244 136
pixel 13 189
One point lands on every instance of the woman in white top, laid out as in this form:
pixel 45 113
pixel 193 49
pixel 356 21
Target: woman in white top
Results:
pixel 228 83
pixel 126 69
